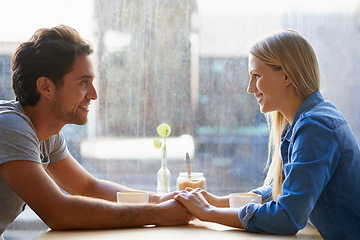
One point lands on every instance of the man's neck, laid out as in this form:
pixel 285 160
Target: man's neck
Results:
pixel 44 123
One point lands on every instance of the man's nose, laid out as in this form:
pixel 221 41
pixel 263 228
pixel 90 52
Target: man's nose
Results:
pixel 92 94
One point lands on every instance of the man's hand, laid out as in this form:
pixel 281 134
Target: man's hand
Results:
pixel 171 212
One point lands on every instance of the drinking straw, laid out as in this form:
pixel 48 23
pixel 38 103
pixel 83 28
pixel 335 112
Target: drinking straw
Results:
pixel 188 165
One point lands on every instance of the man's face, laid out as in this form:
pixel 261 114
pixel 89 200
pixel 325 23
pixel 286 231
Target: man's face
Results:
pixel 72 100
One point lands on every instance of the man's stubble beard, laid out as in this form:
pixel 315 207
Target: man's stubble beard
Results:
pixel 65 116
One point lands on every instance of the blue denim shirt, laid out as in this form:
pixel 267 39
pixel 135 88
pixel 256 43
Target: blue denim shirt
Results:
pixel 321 162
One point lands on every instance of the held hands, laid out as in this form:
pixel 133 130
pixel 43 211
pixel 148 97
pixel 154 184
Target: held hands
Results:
pixel 208 207
pixel 172 212
pixel 195 203
pixel 201 203
pixel 169 211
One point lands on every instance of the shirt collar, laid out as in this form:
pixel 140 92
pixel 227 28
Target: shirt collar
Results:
pixel 311 101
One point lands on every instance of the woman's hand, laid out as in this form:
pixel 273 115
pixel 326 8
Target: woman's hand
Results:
pixel 212 199
pixel 155 198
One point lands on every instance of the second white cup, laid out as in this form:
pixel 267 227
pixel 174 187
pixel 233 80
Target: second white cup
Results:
pixel 237 200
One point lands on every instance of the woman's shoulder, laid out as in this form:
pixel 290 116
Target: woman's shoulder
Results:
pixel 323 113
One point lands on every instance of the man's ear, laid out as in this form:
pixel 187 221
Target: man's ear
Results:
pixel 45 87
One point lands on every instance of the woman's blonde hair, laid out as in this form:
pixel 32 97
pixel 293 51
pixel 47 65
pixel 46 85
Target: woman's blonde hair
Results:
pixel 290 51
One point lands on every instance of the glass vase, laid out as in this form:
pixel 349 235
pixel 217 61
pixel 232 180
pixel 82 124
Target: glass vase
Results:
pixel 163 175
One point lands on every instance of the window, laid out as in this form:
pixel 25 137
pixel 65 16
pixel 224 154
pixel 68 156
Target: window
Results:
pixel 5 74
pixel 184 62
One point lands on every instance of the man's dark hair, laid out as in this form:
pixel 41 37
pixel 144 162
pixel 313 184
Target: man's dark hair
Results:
pixel 49 53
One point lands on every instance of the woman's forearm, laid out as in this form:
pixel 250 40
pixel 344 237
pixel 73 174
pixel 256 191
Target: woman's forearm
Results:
pixel 225 216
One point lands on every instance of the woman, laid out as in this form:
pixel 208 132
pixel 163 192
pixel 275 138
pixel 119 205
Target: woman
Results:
pixel 314 159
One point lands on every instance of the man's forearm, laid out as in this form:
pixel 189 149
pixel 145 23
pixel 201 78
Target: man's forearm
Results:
pixel 76 212
pixel 105 190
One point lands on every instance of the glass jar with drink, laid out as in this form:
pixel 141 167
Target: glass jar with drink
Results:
pixel 193 180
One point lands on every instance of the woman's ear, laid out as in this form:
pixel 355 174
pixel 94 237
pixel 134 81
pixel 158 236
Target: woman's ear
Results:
pixel 45 87
pixel 287 80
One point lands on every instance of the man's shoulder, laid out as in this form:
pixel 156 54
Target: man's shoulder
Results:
pixel 8 104
pixel 11 112
pixel 12 118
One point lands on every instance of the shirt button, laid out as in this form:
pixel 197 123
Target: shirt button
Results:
pixel 286 153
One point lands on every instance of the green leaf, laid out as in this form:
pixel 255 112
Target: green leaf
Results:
pixel 157 143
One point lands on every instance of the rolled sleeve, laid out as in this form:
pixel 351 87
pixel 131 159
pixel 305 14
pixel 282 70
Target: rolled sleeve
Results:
pixel 265 192
pixel 247 212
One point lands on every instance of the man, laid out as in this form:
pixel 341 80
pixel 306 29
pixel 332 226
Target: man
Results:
pixel 53 83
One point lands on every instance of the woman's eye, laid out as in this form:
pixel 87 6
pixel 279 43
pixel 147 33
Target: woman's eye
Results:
pixel 255 76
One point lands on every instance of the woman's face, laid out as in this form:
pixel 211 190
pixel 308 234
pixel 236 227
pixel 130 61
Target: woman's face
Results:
pixel 267 85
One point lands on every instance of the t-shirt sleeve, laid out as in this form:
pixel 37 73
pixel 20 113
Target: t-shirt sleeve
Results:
pixel 58 149
pixel 18 140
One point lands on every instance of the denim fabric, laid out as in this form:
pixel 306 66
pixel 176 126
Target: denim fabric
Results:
pixel 265 192
pixel 321 162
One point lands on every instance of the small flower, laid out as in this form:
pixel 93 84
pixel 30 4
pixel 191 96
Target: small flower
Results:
pixel 163 130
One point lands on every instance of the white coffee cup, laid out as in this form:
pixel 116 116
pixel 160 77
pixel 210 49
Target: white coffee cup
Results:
pixel 133 197
pixel 237 200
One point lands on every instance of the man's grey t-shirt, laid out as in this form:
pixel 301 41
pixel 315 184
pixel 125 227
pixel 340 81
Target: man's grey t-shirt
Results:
pixel 18 141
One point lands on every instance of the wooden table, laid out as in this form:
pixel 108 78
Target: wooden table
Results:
pixel 196 230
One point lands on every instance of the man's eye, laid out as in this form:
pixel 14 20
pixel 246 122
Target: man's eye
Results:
pixel 84 82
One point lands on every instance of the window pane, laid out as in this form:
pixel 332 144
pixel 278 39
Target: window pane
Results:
pixel 185 62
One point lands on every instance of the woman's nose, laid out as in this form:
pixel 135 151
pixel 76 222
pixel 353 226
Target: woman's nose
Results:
pixel 251 87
